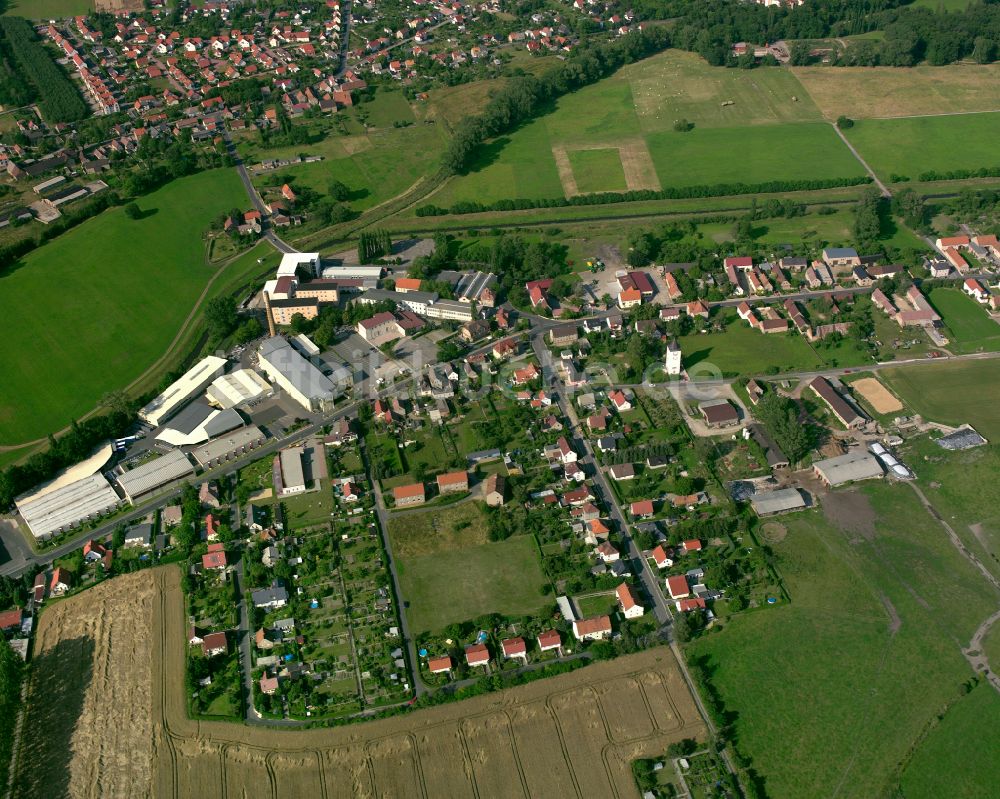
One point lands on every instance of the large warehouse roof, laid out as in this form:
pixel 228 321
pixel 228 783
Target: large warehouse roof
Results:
pixel 298 371
pixel 182 390
pixel 235 442
pixel 198 422
pixel 780 501
pixel 857 465
pixel 64 508
pixel 228 391
pixel 155 474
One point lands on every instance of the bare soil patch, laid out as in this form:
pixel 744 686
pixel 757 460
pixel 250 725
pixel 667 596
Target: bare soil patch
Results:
pixel 128 642
pixel 637 164
pixel 119 6
pixel 852 512
pixel 877 395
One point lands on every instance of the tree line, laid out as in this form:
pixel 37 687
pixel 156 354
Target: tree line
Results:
pixel 373 244
pixel 672 193
pixel 58 99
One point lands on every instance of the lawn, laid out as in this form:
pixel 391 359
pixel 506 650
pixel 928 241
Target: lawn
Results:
pixel 48 9
pixel 707 156
pixel 830 690
pixel 920 144
pixel 902 91
pixel 972 329
pixel 597 170
pixel 741 350
pixel 376 166
pixel 449 571
pixel 958 758
pixel 90 311
pixel 952 393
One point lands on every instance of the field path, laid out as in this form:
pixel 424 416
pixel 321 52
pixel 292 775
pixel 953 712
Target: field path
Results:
pixel 974 651
pixel 882 187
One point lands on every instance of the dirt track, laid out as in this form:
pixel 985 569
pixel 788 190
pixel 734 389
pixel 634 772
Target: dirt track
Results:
pixel 878 396
pixel 573 735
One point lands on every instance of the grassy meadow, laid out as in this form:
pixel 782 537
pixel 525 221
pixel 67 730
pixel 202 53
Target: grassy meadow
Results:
pixel 450 572
pixel 951 393
pixel 741 350
pixel 902 91
pixel 971 328
pixel 830 692
pixel 706 156
pixel 597 170
pixel 91 310
pixel 48 9
pixel 920 144
pixel 748 128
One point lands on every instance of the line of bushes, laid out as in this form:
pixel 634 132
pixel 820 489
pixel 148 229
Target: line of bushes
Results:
pixel 58 98
pixel 961 174
pixel 675 193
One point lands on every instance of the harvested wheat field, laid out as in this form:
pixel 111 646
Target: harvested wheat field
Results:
pixel 877 395
pixel 118 652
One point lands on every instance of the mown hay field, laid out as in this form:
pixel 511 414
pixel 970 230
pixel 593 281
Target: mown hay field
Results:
pixel 572 735
pixel 862 93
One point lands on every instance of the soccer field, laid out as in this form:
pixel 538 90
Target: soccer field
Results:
pixel 90 311
pixel 922 144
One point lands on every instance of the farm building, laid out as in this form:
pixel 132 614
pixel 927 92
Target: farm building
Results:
pixel 841 408
pixel 719 413
pixel 453 482
pixel 857 465
pixel 193 382
pixel 155 475
pixel 784 500
pixel 68 506
pixel 409 495
pixel 303 382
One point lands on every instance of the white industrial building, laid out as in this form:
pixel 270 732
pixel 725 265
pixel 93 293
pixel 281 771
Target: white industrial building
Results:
pixel 352 272
pixel 229 446
pixel 293 476
pixel 235 388
pixel 156 474
pixel 196 423
pixel 292 262
pixel 68 507
pixel 305 345
pixel 181 391
pixel 294 373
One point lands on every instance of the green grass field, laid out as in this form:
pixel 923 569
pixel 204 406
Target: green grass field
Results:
pixel 919 144
pixel 761 135
pixel 449 572
pixel 741 350
pixel 48 9
pixel 832 689
pixel 951 393
pixel 958 758
pixel 597 170
pixel 90 311
pixel 971 328
pixel 706 156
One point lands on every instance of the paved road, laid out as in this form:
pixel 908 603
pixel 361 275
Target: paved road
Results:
pixel 581 444
pixel 345 37
pixel 255 198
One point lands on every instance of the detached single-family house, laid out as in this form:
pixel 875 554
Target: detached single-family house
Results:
pixel 549 640
pixel 477 655
pixel 594 629
pixel 214 644
pixel 440 665
pixel 629 602
pixel 677 586
pixel 514 648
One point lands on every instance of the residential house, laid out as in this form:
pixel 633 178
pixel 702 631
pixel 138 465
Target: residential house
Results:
pixel 453 482
pixel 60 582
pixel 477 655
pixel 629 602
pixel 677 586
pixel 407 495
pixel 440 665
pixel 593 629
pixel 214 644
pixel 549 640
pixel 495 490
pixel 515 648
